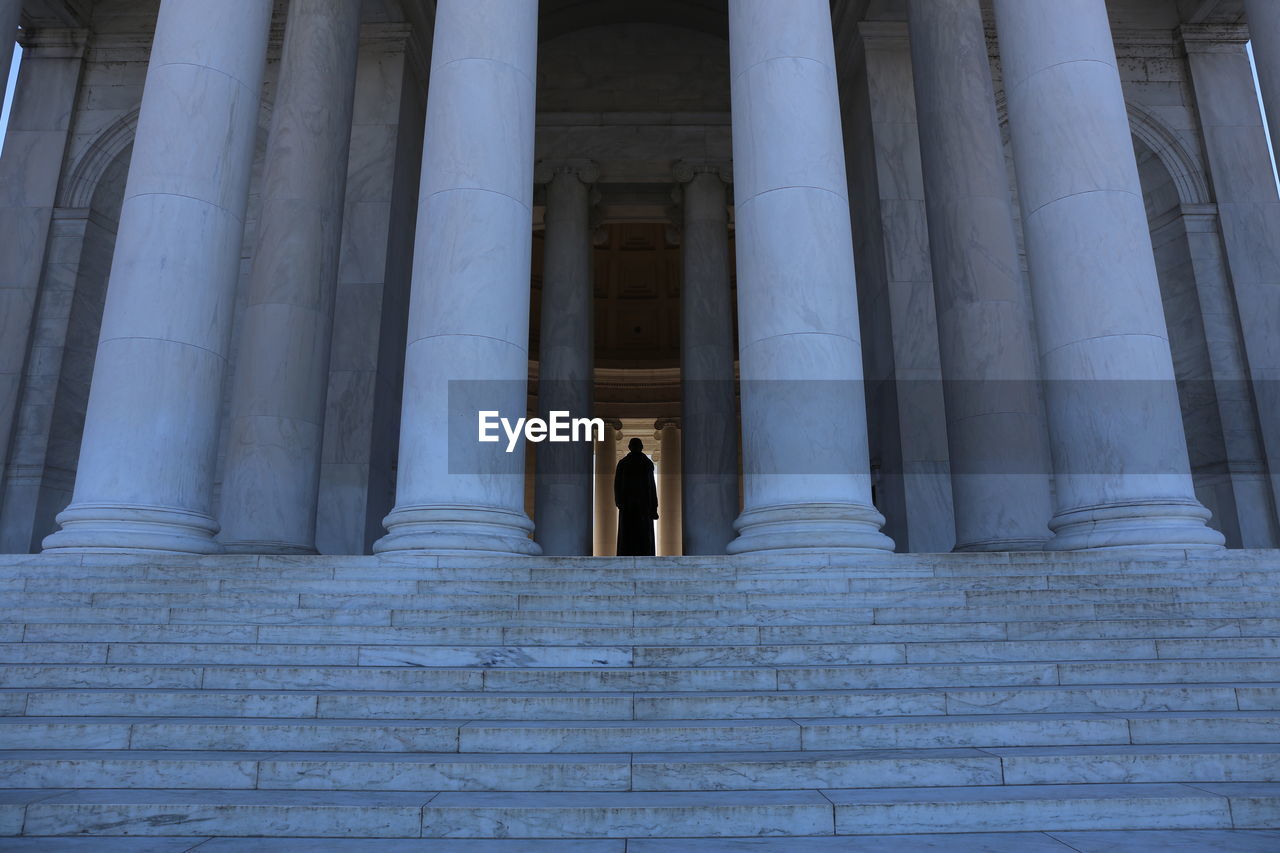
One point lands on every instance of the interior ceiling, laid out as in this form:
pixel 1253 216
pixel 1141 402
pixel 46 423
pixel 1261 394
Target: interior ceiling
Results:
pixel 558 17
pixel 710 16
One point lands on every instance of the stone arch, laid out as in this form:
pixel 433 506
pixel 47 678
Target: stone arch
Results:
pixel 83 177
pixel 1186 174
pixel 82 181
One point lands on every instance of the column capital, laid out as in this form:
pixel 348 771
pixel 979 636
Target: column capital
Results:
pixel 662 423
pixel 587 171
pixel 54 42
pixel 386 34
pixel 684 171
pixel 884 34
pixel 1213 38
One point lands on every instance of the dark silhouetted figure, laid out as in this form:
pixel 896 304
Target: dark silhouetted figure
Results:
pixel 636 495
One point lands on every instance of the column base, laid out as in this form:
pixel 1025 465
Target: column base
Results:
pixel 109 528
pixel 1158 525
pixel 447 530
pixel 805 528
pixel 273 548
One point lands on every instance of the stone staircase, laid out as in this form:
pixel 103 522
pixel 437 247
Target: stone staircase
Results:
pixel 962 702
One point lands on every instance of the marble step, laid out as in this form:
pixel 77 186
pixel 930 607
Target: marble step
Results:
pixel 955 767
pixel 790 585
pixel 724 771
pixel 794 654
pixel 1114 841
pixel 574 619
pixel 531 600
pixel 638 679
pixel 858 811
pixel 664 705
pixel 520 568
pixel 1086 841
pixel 1056 807
pixel 205 844
pixel 315 770
pixel 60 632
pixel 1055 729
pixel 321 814
pixel 597 735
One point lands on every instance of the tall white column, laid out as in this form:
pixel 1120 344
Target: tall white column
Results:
pixel 708 388
pixel 670 506
pixel 1120 458
pixel 606 514
pixel 468 343
pixel 562 487
pixel 999 452
pixel 272 471
pixel 1264 29
pixel 804 422
pixel 150 436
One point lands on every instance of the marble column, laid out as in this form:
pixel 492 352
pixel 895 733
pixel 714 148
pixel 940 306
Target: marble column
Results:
pixel 606 514
pixel 1264 29
pixel 1122 478
pixel 807 477
pixel 708 387
pixel 999 452
pixel 10 19
pixel 272 471
pixel 670 505
pixel 150 438
pixel 468 343
pixel 562 484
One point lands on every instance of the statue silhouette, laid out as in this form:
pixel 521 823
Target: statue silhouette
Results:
pixel 636 495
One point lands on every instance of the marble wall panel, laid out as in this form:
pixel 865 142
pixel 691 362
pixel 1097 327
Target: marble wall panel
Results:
pixel 895 289
pixel 1249 212
pixel 29 173
pixel 357 479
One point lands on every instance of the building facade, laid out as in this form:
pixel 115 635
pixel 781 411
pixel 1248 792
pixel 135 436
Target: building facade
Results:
pixel 932 276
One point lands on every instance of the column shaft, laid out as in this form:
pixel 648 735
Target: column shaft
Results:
pixel 995 424
pixel 562 495
pixel 272 472
pixel 1120 457
pixel 804 423
pixel 150 437
pixel 606 514
pixel 469 310
pixel 709 405
pixel 670 506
